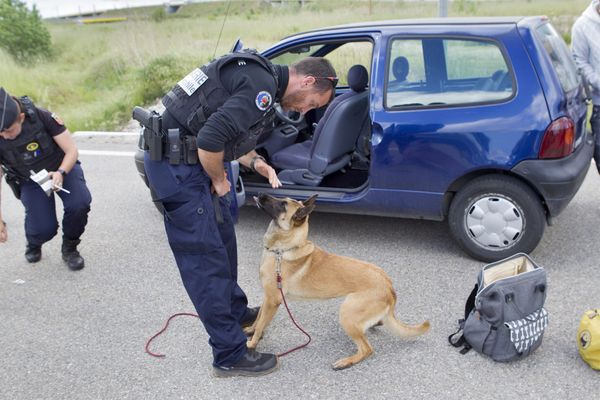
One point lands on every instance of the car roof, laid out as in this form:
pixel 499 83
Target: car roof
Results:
pixel 362 26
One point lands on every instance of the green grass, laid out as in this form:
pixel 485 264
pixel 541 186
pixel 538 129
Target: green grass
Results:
pixel 100 71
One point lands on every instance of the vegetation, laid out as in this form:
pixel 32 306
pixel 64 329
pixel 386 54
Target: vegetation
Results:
pixel 100 71
pixel 22 33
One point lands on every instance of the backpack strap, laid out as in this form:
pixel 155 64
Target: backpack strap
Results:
pixel 469 306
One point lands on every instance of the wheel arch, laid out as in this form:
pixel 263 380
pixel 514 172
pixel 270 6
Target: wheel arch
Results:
pixel 459 183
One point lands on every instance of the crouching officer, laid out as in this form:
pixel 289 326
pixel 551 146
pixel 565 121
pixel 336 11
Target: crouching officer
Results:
pixel 214 115
pixel 33 139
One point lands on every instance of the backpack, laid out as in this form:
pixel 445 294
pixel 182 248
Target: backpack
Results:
pixel 504 314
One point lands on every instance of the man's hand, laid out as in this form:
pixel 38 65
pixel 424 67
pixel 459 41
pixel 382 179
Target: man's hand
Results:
pixel 3 232
pixel 57 180
pixel 268 172
pixel 221 187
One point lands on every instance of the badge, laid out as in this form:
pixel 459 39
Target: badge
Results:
pixel 57 119
pixel 192 81
pixel 263 100
pixel 33 146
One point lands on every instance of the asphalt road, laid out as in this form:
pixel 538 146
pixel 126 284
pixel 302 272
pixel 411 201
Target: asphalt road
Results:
pixel 81 335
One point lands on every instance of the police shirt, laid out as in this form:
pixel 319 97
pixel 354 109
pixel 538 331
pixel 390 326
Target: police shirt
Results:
pixel 28 156
pixel 53 124
pixel 253 90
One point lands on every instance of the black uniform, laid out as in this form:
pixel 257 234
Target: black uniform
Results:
pixel 225 105
pixel 34 149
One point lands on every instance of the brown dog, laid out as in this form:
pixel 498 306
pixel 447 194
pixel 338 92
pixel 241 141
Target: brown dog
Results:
pixel 311 273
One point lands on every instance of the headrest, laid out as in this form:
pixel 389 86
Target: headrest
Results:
pixel 400 68
pixel 358 78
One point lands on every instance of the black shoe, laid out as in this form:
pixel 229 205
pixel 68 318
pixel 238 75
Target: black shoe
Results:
pixel 249 317
pixel 252 363
pixel 71 256
pixel 33 253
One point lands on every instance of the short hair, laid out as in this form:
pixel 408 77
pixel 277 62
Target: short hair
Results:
pixel 317 67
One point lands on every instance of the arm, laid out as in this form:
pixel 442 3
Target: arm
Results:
pixel 212 162
pixel 67 144
pixel 3 229
pixel 260 166
pixel 581 55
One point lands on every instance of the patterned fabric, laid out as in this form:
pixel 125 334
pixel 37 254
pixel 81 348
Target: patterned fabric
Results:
pixel 525 332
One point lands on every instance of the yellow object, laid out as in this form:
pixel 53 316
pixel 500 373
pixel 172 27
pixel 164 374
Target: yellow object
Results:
pixel 588 338
pixel 102 20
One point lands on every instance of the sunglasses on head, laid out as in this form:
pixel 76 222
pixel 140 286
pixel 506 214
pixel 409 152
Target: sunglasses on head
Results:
pixel 333 79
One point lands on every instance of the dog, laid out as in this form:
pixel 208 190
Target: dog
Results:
pixel 308 272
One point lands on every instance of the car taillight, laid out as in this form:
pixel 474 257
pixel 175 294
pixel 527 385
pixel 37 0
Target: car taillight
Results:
pixel 558 139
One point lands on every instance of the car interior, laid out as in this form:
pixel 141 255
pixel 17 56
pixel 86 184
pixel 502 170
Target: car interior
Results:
pixel 328 148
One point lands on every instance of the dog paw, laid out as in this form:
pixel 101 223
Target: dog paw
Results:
pixel 251 345
pixel 341 364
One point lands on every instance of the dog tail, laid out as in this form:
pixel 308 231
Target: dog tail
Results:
pixel 401 329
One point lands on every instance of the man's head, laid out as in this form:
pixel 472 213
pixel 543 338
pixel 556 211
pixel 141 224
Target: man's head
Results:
pixel 11 117
pixel 311 85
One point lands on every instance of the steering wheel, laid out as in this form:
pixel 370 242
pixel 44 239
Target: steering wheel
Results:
pixel 287 116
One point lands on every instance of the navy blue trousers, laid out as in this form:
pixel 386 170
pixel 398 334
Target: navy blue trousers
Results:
pixel 595 122
pixel 41 224
pixel 205 252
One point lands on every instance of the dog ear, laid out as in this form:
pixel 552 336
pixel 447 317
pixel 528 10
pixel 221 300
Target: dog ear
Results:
pixel 300 215
pixel 310 201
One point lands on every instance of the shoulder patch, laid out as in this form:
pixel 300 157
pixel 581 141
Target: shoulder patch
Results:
pixel 263 100
pixel 57 119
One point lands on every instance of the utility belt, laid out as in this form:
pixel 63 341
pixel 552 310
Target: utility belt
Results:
pixel 163 143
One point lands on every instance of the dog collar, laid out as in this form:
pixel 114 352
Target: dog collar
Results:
pixel 278 258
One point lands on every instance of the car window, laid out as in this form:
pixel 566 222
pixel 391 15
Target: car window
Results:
pixel 342 56
pixel 296 54
pixel 560 57
pixel 349 54
pixel 446 71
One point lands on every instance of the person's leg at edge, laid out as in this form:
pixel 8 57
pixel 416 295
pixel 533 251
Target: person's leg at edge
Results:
pixel 595 122
pixel 76 208
pixel 40 219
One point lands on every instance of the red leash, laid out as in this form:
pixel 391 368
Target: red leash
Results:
pixel 196 315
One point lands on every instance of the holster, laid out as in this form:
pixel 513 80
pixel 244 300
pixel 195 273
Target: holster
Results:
pixel 15 185
pixel 153 136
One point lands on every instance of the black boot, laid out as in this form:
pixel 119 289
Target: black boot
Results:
pixel 33 253
pixel 252 364
pixel 70 254
pixel 250 317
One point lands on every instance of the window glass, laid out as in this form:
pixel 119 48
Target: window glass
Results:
pixel 438 71
pixel 342 57
pixel 559 56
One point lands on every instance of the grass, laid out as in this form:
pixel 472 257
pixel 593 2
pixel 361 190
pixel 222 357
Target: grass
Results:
pixel 100 71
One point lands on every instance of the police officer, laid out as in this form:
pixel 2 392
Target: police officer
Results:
pixel 222 108
pixel 33 139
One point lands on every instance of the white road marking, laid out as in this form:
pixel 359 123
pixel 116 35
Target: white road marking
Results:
pixel 107 153
pixel 101 133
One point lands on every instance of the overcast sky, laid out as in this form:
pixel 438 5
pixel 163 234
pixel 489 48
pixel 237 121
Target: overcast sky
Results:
pixel 61 8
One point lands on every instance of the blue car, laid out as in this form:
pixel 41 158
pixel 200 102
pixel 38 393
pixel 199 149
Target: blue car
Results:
pixel 477 121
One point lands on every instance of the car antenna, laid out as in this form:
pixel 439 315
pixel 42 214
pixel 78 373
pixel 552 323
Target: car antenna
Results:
pixel 222 26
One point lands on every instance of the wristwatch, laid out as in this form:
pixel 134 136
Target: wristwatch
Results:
pixel 62 171
pixel 254 161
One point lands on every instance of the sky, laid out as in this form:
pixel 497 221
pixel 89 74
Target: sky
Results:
pixel 62 8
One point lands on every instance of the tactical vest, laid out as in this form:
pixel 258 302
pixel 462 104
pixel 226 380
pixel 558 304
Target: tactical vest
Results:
pixel 201 93
pixel 33 150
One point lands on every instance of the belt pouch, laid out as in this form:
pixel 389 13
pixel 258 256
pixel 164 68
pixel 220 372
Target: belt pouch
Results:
pixel 174 146
pixel 190 150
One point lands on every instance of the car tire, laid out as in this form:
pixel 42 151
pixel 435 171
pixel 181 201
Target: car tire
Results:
pixel 494 217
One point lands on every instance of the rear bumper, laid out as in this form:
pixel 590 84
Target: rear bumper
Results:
pixel 558 180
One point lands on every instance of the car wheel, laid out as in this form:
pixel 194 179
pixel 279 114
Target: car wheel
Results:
pixel 494 217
